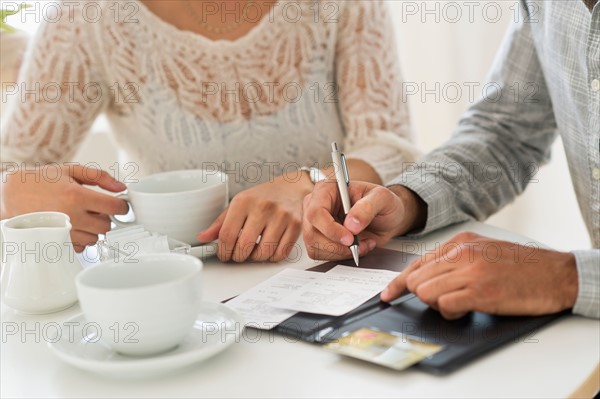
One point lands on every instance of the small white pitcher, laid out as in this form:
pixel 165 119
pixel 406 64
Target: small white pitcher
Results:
pixel 39 264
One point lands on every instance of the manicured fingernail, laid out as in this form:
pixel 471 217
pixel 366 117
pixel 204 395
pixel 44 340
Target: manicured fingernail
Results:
pixel 371 244
pixel 347 240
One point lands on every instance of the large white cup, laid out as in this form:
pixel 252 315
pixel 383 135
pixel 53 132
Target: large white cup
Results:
pixel 178 204
pixel 144 306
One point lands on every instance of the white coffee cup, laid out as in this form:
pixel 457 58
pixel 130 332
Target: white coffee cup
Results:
pixel 144 306
pixel 178 204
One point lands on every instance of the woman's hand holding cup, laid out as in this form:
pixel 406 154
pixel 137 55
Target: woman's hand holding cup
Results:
pixel 61 189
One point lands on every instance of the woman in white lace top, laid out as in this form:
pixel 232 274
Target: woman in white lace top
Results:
pixel 257 89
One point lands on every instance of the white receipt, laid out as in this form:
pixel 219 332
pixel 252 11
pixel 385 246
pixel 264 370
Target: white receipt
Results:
pixel 338 291
pixel 255 305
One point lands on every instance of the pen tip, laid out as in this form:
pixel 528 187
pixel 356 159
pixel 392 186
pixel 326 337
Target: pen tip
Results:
pixel 355 256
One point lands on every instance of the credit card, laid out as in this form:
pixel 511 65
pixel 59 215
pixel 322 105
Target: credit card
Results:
pixel 391 350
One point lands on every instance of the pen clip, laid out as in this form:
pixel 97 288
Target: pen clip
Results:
pixel 345 168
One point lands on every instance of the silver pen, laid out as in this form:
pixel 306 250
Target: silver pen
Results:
pixel 343 180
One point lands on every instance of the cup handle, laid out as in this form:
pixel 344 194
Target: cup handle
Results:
pixel 117 221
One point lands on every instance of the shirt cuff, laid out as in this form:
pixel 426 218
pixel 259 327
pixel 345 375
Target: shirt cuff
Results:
pixel 588 274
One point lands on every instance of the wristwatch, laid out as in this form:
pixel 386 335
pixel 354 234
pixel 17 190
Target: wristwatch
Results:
pixel 315 174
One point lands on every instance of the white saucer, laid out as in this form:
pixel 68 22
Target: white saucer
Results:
pixel 216 328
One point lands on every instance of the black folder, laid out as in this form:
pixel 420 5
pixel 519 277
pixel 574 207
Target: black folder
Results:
pixel 464 339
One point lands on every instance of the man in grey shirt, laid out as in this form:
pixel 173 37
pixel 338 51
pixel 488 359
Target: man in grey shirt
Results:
pixel 545 81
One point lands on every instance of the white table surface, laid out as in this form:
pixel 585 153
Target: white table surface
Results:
pixel 554 362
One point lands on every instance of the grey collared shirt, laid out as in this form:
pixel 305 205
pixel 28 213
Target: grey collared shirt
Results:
pixel 545 81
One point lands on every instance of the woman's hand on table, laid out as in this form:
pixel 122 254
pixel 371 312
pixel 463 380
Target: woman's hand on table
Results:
pixel 271 210
pixel 61 189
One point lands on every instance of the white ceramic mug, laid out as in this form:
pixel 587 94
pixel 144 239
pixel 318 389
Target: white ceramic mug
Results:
pixel 178 204
pixel 144 306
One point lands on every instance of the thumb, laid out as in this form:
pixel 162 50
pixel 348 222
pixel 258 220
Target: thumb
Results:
pixel 211 233
pixel 366 209
pixel 96 177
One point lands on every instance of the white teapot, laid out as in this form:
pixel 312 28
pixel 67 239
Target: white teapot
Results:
pixel 39 264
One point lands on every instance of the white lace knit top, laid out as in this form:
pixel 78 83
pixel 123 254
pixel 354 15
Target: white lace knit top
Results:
pixel 256 107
